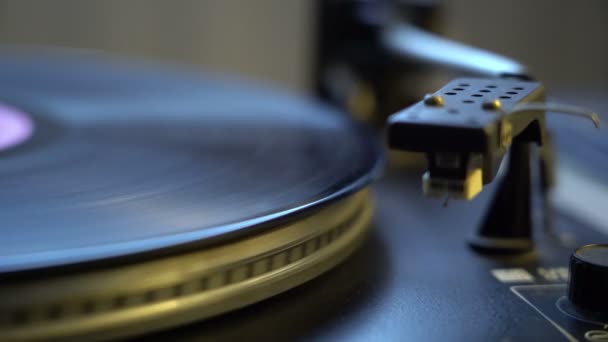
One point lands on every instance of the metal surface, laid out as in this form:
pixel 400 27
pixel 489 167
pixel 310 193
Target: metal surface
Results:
pixel 464 125
pixel 125 300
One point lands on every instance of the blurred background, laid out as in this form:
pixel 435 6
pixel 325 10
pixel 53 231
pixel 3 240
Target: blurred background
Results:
pixel 301 44
pixel 563 42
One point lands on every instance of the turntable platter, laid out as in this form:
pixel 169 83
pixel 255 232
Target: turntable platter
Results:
pixel 128 159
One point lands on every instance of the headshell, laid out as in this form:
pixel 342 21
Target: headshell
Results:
pixel 465 129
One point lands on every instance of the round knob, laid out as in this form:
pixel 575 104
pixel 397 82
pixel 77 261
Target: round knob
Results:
pixel 588 286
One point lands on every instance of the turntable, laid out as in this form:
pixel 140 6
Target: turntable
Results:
pixel 143 200
pixel 130 209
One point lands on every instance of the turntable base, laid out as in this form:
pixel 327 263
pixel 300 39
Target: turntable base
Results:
pixel 415 279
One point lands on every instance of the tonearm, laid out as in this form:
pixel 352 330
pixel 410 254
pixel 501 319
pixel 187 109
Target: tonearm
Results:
pixel 465 129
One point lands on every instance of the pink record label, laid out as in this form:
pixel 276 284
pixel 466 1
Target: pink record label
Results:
pixel 15 127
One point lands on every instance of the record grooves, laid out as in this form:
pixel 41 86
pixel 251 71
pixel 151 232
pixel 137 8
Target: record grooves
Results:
pixel 131 168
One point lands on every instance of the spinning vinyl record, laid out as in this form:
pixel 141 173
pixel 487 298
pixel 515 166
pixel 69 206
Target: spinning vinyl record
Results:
pixel 135 196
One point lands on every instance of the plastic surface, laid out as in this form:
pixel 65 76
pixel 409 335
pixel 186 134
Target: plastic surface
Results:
pixel 589 278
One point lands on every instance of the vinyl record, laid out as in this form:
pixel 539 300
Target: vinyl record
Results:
pixel 121 167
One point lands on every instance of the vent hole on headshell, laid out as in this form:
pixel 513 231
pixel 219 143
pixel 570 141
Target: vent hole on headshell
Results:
pixel 505 97
pixel 477 95
pixel 463 84
pixel 491 86
pixel 450 93
pixel 468 101
pixel 484 91
pixel 518 88
pixel 458 89
pixel 512 92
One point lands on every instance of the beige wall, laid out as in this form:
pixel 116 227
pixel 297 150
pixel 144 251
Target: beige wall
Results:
pixel 267 39
pixel 563 41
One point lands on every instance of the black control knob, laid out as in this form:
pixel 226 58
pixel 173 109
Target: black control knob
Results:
pixel 588 287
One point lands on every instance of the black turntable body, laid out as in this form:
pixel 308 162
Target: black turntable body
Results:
pixel 408 283
pixel 157 202
pixel 415 279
